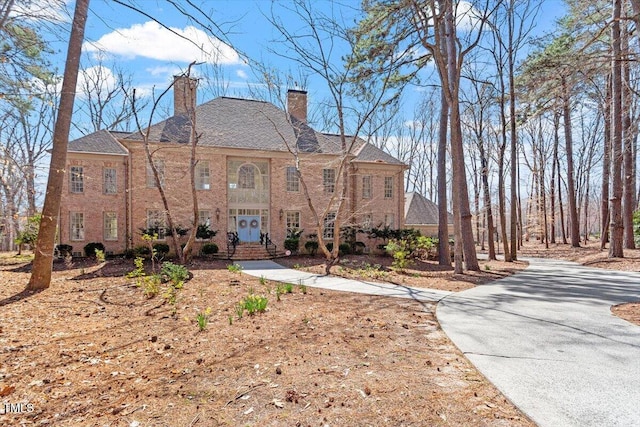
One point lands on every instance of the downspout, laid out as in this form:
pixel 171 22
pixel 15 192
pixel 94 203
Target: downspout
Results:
pixel 128 200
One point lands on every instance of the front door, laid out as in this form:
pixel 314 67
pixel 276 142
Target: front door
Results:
pixel 249 228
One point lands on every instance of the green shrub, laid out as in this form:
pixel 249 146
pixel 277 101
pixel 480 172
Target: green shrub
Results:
pixel 344 249
pixel 358 248
pixel 161 249
pixel 209 249
pixel 139 270
pixel 205 233
pixel 401 254
pixel 64 250
pixel 292 244
pixel 329 246
pixel 29 234
pixel 175 273
pixel 90 249
pixel 141 251
pixel 311 246
pixel 636 227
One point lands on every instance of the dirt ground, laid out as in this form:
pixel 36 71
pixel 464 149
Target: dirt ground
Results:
pixel 94 351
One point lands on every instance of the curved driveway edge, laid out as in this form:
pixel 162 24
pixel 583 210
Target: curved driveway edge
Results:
pixel 547 339
pixel 273 271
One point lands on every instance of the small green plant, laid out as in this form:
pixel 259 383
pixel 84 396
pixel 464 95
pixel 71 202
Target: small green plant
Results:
pixel 230 320
pixel 239 310
pixel 139 270
pixel 175 273
pixel 100 255
pixel 255 304
pixel 303 288
pixel 234 268
pixel 202 318
pixel 150 285
pixel 263 280
pixel 297 266
pixel 487 267
pixel 288 287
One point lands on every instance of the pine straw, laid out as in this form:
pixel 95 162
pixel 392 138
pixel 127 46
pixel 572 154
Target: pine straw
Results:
pixel 93 351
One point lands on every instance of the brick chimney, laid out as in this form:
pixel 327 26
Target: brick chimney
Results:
pixel 184 94
pixel 297 104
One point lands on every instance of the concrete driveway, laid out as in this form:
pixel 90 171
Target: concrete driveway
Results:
pixel 547 339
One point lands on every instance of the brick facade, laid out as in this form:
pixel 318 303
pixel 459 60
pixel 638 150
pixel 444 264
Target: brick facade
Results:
pixel 221 197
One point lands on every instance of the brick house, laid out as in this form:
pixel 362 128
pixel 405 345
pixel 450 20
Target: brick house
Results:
pixel 245 176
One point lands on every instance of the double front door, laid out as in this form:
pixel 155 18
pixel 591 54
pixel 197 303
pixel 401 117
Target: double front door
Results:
pixel 249 228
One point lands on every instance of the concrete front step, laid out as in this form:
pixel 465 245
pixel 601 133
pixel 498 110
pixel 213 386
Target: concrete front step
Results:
pixel 250 252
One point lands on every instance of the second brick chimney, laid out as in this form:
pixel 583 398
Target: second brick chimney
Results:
pixel 184 94
pixel 297 104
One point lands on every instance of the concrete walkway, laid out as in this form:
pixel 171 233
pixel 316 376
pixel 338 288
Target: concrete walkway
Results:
pixel 273 271
pixel 545 337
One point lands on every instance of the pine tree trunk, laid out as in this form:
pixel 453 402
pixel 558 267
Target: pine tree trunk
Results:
pixel 615 206
pixel 571 186
pixel 606 169
pixel 629 171
pixel 43 261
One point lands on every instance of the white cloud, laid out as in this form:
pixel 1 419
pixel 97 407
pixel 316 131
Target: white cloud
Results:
pixel 151 40
pixel 163 71
pixel 95 79
pixel 242 74
pixel 468 18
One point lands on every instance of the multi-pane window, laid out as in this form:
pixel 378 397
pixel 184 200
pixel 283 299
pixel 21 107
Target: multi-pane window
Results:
pixel 202 175
pixel 329 180
pixel 76 183
pixel 247 176
pixel 367 220
pixel 388 187
pixel 293 181
pixel 293 221
pixel 109 181
pixel 389 220
pixel 110 226
pixel 366 187
pixel 156 222
pixel 76 226
pixel 151 180
pixel 329 225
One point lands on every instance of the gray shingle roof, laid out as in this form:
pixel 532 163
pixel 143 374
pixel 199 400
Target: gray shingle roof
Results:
pixel 98 142
pixel 418 210
pixel 238 123
pixel 241 123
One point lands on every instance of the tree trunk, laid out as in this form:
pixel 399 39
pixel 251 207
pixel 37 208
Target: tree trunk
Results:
pixel 560 205
pixel 606 168
pixel 43 261
pixel 615 207
pixel 552 184
pixel 514 148
pixel 629 170
pixel 487 200
pixel 571 187
pixel 444 255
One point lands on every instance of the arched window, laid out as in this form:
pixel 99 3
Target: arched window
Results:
pixel 247 176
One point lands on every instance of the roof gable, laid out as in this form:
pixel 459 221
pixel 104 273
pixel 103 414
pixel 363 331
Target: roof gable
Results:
pixel 100 142
pixel 418 210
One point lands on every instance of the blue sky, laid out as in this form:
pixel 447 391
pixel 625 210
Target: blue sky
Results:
pixel 126 39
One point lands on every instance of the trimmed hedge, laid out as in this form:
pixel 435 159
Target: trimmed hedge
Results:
pixel 90 249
